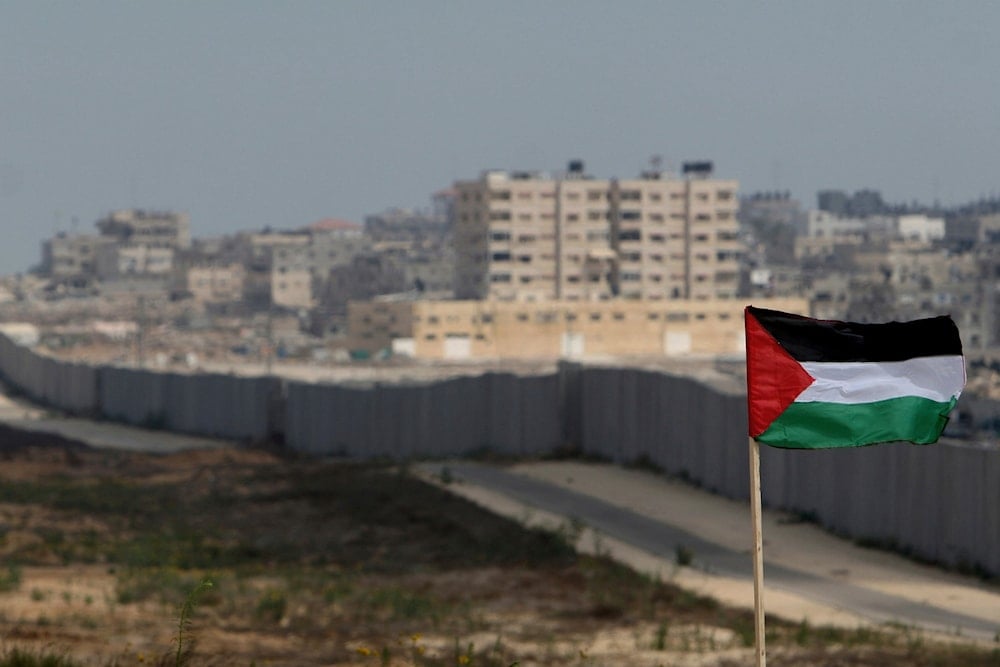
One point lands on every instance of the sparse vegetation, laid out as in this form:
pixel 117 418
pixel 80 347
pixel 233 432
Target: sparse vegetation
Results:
pixel 333 563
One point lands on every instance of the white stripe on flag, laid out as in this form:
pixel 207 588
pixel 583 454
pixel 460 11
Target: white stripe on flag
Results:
pixel 936 378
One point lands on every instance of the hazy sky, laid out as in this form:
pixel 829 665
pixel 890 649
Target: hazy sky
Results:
pixel 247 114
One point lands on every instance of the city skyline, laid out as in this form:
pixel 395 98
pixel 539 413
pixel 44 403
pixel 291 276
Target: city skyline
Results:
pixel 247 115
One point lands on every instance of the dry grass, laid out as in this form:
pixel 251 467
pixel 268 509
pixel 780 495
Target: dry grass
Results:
pixel 332 563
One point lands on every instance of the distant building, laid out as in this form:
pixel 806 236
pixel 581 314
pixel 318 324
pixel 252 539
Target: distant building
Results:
pixel 66 256
pixel 531 236
pixel 772 207
pixel 215 283
pixel 835 202
pixel 920 227
pixel 861 204
pixel 550 329
pixel 148 228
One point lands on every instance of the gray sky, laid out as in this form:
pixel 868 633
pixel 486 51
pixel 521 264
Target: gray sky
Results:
pixel 247 114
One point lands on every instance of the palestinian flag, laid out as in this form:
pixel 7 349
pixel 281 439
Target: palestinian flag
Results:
pixel 814 384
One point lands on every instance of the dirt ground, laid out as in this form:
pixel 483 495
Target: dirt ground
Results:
pixel 252 558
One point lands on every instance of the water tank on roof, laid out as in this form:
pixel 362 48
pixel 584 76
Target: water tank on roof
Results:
pixel 700 168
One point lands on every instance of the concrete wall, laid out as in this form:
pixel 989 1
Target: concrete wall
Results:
pixel 222 406
pixel 940 503
pixel 500 413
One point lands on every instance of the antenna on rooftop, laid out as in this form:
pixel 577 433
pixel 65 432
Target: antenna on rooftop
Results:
pixel 656 162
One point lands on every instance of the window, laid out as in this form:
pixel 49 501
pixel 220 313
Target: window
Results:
pixel 500 195
pixel 499 215
pixel 630 195
pixel 500 278
pixel 630 235
pixel 500 257
pixel 631 215
pixel 500 236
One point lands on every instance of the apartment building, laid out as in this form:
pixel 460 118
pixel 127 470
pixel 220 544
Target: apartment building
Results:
pixel 71 255
pixel 531 236
pixel 214 283
pixel 148 228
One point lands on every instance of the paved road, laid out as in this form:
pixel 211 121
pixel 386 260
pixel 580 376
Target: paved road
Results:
pixel 106 435
pixel 662 539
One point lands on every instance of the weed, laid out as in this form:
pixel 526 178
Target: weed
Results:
pixel 184 618
pixel 10 580
pixel 272 605
pixel 683 556
pixel 445 475
pixel 21 658
pixel 660 642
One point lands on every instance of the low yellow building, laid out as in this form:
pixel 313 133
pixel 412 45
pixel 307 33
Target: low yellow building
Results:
pixel 551 329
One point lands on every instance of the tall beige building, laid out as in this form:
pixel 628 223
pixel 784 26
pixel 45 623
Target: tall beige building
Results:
pixel 530 236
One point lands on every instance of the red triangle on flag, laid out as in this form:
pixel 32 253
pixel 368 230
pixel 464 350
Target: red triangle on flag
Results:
pixel 774 378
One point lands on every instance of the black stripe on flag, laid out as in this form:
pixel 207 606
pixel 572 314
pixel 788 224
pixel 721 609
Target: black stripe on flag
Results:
pixel 806 339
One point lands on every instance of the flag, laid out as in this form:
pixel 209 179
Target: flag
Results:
pixel 813 384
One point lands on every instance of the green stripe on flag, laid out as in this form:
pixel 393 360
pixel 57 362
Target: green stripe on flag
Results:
pixel 819 425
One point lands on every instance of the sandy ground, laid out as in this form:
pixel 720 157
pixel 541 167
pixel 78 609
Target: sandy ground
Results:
pixel 799 546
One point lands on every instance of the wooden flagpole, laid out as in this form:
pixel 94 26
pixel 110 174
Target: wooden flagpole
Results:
pixel 758 553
